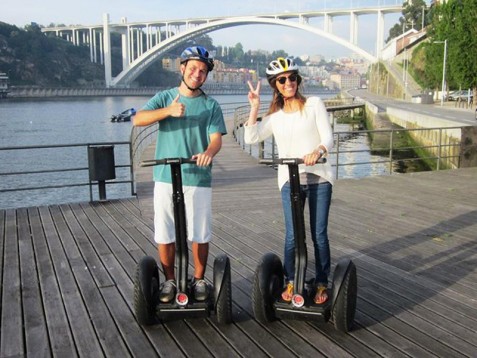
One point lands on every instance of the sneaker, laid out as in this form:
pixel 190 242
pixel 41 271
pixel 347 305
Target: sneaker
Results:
pixel 168 291
pixel 201 290
pixel 288 293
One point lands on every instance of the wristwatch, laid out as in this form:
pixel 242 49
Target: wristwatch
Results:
pixel 321 151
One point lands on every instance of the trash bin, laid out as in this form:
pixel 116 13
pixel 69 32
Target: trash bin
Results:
pixel 101 166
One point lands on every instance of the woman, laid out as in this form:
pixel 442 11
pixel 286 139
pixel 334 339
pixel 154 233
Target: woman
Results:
pixel 301 129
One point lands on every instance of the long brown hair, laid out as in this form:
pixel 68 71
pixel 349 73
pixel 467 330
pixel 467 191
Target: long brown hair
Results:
pixel 277 102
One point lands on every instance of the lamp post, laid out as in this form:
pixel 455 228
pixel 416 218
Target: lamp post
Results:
pixel 423 17
pixel 443 69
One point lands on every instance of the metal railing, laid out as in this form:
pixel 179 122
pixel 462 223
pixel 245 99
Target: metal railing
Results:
pixel 439 147
pixel 143 137
pixel 53 160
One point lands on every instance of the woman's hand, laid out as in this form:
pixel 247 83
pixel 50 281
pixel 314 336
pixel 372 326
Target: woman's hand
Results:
pixel 254 95
pixel 312 158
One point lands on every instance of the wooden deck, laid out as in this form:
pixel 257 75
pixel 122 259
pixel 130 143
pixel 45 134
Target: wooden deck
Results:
pixel 67 270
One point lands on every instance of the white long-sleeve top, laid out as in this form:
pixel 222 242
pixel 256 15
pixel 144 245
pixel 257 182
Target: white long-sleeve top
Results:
pixel 297 134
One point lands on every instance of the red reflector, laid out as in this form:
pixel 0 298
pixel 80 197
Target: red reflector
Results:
pixel 298 300
pixel 182 299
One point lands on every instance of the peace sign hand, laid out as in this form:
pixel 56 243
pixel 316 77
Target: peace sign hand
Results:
pixel 254 95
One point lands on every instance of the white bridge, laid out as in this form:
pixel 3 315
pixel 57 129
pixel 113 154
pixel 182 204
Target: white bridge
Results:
pixel 145 42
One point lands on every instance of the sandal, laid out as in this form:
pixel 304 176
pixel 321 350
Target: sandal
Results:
pixel 288 293
pixel 321 295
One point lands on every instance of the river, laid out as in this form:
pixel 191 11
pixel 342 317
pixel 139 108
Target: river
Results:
pixel 36 122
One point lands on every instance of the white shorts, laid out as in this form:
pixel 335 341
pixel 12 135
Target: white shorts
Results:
pixel 198 210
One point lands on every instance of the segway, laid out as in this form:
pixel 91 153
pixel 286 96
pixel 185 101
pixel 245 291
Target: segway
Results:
pixel 268 282
pixel 148 308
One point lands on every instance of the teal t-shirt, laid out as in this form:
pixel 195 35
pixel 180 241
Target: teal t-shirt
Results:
pixel 182 137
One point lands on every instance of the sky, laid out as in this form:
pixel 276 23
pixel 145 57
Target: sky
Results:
pixel 252 37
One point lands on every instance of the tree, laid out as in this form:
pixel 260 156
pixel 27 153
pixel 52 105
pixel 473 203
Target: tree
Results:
pixel 413 17
pixel 454 21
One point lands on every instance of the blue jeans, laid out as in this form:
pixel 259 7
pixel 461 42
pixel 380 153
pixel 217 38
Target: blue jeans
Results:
pixel 319 200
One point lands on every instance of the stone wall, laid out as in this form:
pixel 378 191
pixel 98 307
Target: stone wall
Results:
pixel 441 137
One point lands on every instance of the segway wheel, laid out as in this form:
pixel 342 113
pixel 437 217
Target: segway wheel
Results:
pixel 267 285
pixel 146 291
pixel 223 289
pixel 345 296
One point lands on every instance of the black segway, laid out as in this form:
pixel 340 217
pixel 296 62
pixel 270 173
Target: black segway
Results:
pixel 148 308
pixel 268 281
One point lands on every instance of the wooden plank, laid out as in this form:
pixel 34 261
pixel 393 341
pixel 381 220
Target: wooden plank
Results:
pixel 36 337
pixel 88 253
pixel 98 307
pixel 49 253
pixel 118 241
pixel 3 238
pixel 83 333
pixel 137 343
pixel 12 335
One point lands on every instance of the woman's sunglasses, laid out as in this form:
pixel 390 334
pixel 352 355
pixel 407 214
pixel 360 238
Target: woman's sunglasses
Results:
pixel 293 77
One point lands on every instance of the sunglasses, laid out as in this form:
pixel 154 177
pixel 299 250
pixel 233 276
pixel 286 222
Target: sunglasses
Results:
pixel 293 77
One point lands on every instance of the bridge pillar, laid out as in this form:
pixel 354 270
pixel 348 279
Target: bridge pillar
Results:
pixel 107 51
pixel 90 42
pixel 125 44
pixel 380 37
pixel 328 23
pixel 353 28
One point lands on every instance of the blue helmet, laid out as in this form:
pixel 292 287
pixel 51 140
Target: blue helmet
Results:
pixel 198 53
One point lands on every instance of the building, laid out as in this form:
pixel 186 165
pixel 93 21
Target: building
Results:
pixel 344 81
pixel 220 74
pixel 397 45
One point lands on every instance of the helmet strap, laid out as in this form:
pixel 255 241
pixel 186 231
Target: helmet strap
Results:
pixel 183 80
pixel 190 88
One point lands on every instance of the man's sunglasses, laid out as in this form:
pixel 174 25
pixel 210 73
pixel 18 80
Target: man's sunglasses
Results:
pixel 293 77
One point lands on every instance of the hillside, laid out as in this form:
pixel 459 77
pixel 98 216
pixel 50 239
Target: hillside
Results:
pixel 32 59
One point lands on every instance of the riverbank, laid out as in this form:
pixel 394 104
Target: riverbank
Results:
pixel 212 89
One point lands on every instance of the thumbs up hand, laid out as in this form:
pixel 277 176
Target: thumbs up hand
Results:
pixel 176 108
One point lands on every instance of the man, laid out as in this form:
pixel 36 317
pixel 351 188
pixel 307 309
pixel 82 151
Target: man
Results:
pixel 191 125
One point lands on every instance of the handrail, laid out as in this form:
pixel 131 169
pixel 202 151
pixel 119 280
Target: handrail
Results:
pixel 442 148
pixel 60 156
pixel 142 137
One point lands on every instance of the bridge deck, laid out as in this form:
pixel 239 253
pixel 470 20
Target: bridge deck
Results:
pixel 67 270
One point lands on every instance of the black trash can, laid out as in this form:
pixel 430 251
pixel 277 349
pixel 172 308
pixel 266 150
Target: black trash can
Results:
pixel 101 166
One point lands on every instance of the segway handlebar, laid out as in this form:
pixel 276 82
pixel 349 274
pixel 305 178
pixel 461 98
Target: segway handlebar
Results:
pixel 288 161
pixel 149 163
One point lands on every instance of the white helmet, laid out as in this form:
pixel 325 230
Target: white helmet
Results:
pixel 281 65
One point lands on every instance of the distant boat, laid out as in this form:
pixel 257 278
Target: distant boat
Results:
pixel 124 116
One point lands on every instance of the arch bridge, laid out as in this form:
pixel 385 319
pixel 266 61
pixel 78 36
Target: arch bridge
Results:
pixel 144 42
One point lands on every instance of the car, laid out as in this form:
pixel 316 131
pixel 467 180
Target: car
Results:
pixel 461 95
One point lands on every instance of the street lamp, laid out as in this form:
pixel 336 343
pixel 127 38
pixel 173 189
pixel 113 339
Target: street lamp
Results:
pixel 443 69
